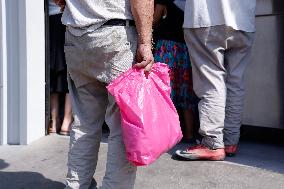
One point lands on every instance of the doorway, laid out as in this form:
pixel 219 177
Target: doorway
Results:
pixel 47 63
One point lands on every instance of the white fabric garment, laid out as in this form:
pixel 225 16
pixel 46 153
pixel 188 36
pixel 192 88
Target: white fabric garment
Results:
pixel 53 8
pixel 180 4
pixel 238 14
pixel 85 16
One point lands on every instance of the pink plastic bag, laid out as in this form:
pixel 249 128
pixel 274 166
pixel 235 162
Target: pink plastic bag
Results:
pixel 150 123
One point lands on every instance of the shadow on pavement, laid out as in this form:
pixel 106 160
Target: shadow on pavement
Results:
pixel 3 164
pixel 259 147
pixel 27 180
pixel 260 155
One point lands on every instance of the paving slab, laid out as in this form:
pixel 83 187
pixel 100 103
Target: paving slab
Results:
pixel 42 165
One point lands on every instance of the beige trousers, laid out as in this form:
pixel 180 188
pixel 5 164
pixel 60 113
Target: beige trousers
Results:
pixel 219 56
pixel 93 60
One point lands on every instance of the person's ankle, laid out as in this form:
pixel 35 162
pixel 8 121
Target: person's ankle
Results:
pixel 66 124
pixel 188 137
pixel 54 122
pixel 68 119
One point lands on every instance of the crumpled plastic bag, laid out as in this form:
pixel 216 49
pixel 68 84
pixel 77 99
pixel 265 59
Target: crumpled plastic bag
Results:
pixel 149 120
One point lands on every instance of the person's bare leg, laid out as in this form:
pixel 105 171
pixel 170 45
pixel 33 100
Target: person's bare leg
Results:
pixel 188 124
pixel 54 111
pixel 68 117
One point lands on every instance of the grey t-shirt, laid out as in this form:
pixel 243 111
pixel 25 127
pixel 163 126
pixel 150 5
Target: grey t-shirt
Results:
pixel 83 16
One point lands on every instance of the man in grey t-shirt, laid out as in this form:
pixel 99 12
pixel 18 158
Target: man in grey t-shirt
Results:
pixel 104 38
pixel 219 35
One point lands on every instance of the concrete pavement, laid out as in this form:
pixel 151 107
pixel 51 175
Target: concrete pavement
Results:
pixel 42 165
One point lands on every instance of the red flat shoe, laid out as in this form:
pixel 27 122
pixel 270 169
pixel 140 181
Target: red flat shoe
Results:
pixel 201 152
pixel 231 150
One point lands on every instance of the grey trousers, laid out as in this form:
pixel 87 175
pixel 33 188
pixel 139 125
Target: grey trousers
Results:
pixel 219 56
pixel 93 60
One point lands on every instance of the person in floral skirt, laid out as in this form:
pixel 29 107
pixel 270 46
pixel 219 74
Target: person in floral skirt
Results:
pixel 170 48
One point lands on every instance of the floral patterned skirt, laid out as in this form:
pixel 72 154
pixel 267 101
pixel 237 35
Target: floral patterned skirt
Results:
pixel 176 55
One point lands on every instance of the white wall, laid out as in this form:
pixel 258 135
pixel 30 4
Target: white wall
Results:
pixel 3 75
pixel 35 70
pixel 25 72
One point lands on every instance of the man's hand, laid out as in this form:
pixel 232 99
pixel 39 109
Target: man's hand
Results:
pixel 144 57
pixel 142 11
pixel 60 3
